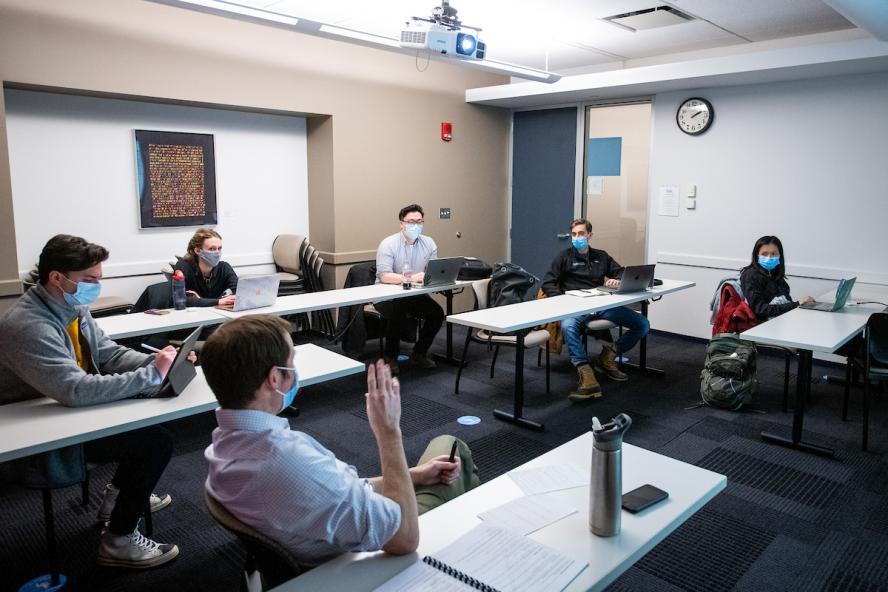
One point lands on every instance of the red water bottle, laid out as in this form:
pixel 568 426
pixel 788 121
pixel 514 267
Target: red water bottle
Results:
pixel 179 301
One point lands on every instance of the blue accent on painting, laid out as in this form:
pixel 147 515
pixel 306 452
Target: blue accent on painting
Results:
pixel 140 171
pixel 603 157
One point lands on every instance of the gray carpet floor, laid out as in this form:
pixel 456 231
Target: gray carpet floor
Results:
pixel 787 520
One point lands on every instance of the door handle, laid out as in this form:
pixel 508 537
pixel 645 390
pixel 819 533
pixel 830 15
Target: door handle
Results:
pixel 564 235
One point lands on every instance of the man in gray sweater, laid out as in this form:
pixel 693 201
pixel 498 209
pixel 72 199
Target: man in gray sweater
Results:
pixel 50 346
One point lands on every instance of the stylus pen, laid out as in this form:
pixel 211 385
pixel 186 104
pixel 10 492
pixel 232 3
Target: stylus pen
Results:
pixel 453 452
pixel 152 348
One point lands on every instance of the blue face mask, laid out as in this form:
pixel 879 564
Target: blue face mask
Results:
pixel 86 293
pixel 290 395
pixel 768 263
pixel 580 242
pixel 211 258
pixel 414 231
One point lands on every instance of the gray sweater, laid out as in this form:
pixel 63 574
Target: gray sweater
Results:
pixel 37 357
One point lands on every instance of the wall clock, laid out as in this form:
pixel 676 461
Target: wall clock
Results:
pixel 694 116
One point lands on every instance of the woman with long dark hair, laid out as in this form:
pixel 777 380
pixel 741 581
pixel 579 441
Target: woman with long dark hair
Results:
pixel 764 280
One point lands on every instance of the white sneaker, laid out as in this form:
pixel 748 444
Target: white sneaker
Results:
pixel 158 502
pixel 133 550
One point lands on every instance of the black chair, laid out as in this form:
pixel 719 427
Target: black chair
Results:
pixel 873 365
pixel 273 562
pixel 535 338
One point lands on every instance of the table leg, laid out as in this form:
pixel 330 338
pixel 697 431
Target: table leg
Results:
pixel 803 389
pixel 642 351
pixel 448 358
pixel 517 416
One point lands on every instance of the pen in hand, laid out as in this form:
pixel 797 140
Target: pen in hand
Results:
pixel 151 347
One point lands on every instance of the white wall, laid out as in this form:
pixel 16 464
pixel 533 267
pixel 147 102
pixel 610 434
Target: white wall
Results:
pixel 73 171
pixel 805 160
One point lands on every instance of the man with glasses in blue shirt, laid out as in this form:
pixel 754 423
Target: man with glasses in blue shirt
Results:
pixel 408 251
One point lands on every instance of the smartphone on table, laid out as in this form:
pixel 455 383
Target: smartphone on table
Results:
pixel 643 497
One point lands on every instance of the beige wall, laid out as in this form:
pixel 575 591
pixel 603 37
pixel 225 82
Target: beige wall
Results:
pixel 374 119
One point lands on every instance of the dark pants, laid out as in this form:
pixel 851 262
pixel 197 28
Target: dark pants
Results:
pixel 142 456
pixel 419 307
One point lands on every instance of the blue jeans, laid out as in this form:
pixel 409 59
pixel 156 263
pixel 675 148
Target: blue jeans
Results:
pixel 573 328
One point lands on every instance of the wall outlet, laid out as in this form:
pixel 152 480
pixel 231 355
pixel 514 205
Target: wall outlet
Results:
pixel 445 213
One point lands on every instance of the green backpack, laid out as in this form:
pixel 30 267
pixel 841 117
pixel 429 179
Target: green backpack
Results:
pixel 728 377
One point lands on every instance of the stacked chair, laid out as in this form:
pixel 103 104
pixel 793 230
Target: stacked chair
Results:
pixel 286 251
pixel 300 266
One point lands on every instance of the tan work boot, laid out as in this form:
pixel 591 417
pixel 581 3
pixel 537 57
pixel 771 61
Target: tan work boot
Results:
pixel 607 364
pixel 588 387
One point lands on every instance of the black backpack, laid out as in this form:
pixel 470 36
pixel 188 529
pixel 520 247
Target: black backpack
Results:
pixel 509 284
pixel 728 377
pixel 474 269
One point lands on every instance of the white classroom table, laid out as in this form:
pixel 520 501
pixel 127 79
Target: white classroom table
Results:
pixel 135 324
pixel 689 488
pixel 43 424
pixel 811 331
pixel 520 318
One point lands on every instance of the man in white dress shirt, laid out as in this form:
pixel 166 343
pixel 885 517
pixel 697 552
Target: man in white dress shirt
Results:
pixel 408 249
pixel 288 486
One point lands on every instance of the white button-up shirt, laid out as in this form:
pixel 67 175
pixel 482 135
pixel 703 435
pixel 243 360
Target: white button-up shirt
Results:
pixel 394 252
pixel 287 486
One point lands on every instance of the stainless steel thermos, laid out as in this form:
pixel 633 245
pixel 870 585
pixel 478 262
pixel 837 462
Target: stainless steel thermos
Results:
pixel 606 485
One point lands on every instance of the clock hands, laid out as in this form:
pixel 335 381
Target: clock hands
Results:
pixel 696 114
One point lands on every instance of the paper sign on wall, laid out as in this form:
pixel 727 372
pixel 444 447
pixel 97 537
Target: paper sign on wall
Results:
pixel 668 200
pixel 594 185
pixel 603 157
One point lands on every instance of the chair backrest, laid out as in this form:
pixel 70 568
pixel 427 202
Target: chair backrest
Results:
pixel 154 296
pixel 275 561
pixel 316 270
pixel 285 251
pixel 877 337
pixel 480 288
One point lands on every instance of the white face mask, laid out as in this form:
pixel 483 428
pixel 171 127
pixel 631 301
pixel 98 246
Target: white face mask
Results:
pixel 414 231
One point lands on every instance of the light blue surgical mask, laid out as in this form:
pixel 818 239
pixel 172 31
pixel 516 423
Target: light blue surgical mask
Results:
pixel 290 395
pixel 414 231
pixel 211 258
pixel 580 242
pixel 86 293
pixel 768 263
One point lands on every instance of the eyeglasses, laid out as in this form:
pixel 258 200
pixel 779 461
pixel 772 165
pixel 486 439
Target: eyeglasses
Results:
pixel 414 221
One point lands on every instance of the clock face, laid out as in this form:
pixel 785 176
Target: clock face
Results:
pixel 694 116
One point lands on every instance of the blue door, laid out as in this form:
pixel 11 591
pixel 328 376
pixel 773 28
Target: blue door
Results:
pixel 543 185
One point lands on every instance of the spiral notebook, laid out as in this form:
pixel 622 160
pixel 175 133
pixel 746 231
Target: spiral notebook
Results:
pixel 489 559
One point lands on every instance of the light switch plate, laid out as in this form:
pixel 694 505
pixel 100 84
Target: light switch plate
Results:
pixel 445 213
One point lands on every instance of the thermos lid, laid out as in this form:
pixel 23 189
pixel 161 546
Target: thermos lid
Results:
pixel 609 436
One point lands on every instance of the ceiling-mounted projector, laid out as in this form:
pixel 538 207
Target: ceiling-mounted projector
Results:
pixel 443 33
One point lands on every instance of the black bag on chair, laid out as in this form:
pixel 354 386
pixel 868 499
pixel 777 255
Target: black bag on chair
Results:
pixel 509 284
pixel 474 269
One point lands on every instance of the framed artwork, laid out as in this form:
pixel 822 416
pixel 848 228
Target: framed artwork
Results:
pixel 176 174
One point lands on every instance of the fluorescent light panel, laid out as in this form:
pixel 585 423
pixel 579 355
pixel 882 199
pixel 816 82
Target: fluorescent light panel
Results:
pixel 240 9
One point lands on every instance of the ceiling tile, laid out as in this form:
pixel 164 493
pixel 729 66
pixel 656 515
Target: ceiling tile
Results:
pixel 761 20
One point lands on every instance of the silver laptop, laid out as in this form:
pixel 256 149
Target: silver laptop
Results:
pixel 256 292
pixel 843 291
pixel 442 272
pixel 636 278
